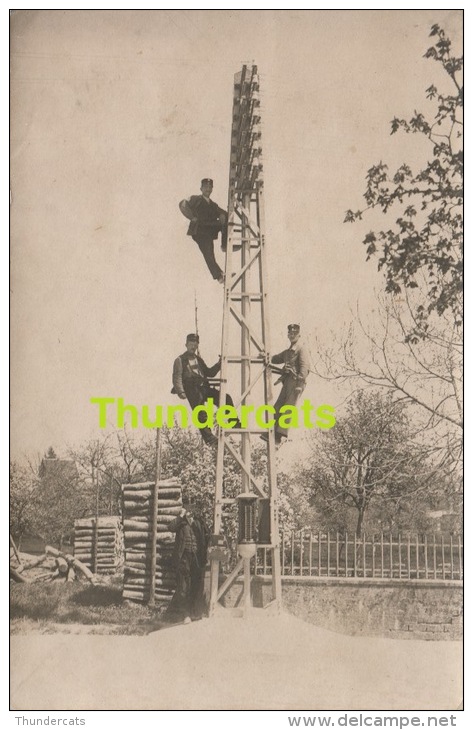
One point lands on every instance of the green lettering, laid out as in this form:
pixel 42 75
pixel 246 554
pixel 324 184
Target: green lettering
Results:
pixel 208 409
pixel 306 408
pixel 157 423
pixel 224 413
pixel 327 414
pixel 102 403
pixel 121 410
pixel 177 409
pixel 259 416
pixel 244 413
pixel 287 421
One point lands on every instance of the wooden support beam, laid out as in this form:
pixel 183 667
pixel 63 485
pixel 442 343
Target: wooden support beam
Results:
pixel 244 468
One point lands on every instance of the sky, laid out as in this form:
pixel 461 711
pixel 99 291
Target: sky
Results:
pixel 116 116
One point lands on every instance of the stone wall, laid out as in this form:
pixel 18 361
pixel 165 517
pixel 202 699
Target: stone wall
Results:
pixel 411 609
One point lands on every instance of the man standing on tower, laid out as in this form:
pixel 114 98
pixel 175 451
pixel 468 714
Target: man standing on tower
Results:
pixel 206 221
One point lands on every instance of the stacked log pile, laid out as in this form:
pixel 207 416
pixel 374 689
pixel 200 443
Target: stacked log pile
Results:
pixel 145 535
pixel 98 543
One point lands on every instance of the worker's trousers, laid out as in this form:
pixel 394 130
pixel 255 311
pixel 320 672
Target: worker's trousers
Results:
pixel 197 395
pixel 188 599
pixel 206 245
pixel 287 397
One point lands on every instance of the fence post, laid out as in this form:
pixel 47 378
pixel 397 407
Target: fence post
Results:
pixel 292 552
pixel 399 552
pixel 337 561
pixel 408 554
pixel 346 554
pixel 451 557
pixel 417 555
pixel 283 552
pixel 310 553
pixel 373 555
pixel 328 552
pixel 354 556
pixel 302 553
pixel 426 559
pixel 382 555
pixel 443 557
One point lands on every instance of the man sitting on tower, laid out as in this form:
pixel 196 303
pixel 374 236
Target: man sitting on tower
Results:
pixel 190 380
pixel 206 221
pixel 295 361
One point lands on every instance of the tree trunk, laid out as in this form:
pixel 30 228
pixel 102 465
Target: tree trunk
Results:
pixel 359 524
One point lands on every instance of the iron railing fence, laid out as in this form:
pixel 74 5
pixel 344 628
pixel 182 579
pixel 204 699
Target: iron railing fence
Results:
pixel 385 556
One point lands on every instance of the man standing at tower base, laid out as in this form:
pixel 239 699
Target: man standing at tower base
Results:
pixel 190 559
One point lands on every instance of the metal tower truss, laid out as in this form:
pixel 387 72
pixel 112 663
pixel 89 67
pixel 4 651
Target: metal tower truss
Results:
pixel 246 358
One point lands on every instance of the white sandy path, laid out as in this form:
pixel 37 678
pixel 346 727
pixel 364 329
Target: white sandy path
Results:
pixel 257 663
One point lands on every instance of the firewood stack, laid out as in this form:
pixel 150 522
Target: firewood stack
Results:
pixel 98 543
pixel 142 537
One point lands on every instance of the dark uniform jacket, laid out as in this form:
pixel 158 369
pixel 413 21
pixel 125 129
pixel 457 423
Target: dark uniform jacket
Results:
pixel 180 525
pixel 208 214
pixel 182 372
pixel 295 362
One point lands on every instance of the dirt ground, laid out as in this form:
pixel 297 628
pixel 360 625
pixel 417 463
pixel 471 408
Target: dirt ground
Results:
pixel 255 663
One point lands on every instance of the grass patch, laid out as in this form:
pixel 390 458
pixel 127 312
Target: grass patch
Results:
pixel 55 604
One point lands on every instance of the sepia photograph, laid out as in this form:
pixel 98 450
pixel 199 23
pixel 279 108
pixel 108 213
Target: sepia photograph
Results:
pixel 236 384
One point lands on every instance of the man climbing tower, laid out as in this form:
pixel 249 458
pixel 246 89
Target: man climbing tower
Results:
pixel 206 221
pixel 190 380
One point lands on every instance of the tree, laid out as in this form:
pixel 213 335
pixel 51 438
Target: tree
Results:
pixel 59 499
pixel 369 461
pixel 423 248
pixel 296 505
pixel 105 464
pixel 22 501
pixel 425 373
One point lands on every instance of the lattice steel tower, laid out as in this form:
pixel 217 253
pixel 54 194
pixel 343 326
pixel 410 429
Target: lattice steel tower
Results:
pixel 246 355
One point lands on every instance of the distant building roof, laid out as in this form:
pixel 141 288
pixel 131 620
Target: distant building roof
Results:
pixel 62 468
